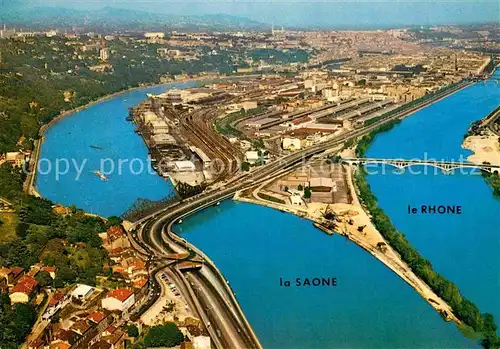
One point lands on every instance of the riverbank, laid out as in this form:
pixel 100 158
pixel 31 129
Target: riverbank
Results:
pixel 482 324
pixel 486 148
pixel 30 185
pixel 484 141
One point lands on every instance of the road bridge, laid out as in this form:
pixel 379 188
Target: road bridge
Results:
pixel 492 81
pixel 402 163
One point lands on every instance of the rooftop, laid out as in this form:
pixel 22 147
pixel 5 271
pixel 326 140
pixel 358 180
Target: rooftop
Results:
pixel 122 294
pixel 26 284
pixel 96 317
pixel 82 291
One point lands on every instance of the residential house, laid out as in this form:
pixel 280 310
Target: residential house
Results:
pixel 115 237
pixel 16 159
pixel 50 270
pixel 120 299
pixel 24 290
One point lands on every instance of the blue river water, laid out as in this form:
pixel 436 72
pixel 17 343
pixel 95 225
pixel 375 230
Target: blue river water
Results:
pixel 102 125
pixel 370 307
pixel 464 248
pixel 256 246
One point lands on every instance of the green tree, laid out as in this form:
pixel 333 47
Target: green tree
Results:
pixel 113 220
pixel 44 279
pixel 307 192
pixel 245 166
pixel 15 322
pixel 65 275
pixel 133 331
pixel 167 335
pixel 300 187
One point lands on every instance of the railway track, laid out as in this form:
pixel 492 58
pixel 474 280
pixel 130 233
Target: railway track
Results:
pixel 217 148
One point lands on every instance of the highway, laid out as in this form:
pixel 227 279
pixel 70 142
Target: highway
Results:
pixel 206 289
pixel 491 120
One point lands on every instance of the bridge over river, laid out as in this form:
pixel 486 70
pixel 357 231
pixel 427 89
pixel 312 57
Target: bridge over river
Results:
pixel 443 165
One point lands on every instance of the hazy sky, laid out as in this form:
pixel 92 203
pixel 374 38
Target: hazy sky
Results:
pixel 311 13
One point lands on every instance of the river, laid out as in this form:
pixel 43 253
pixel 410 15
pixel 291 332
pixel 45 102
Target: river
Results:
pixel 102 125
pixel 256 246
pixel 464 248
pixel 370 307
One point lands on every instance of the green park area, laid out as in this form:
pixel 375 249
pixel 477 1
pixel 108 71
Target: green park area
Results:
pixel 8 224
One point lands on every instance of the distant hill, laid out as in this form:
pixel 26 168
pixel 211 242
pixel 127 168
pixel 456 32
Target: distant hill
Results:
pixel 116 18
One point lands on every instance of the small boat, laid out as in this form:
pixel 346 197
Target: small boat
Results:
pixel 129 118
pixel 218 203
pixel 180 221
pixel 101 175
pixel 96 147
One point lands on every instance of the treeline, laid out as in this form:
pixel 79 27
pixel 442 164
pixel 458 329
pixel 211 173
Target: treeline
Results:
pixel 68 242
pixel 11 180
pixel 366 140
pixel 15 322
pixel 274 56
pixel 34 75
pixel 493 179
pixel 464 309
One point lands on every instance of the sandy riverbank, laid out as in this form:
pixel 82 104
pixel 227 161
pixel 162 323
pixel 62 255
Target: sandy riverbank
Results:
pixel 486 149
pixel 355 224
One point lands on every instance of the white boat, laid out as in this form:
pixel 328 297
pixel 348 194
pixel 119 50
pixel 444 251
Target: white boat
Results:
pixel 101 175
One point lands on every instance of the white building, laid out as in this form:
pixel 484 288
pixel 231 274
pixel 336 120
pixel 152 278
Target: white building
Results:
pixel 51 33
pixel 296 200
pixel 104 54
pixel 164 139
pixel 291 143
pixel 202 342
pixel 158 126
pixel 15 158
pixel 248 105
pixel 120 299
pixel 184 166
pixel 149 116
pixel 154 35
pixel 82 291
pixel 252 156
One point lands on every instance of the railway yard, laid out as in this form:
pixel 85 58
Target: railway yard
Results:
pixel 207 134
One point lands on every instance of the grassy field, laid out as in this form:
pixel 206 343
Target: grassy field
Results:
pixel 8 228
